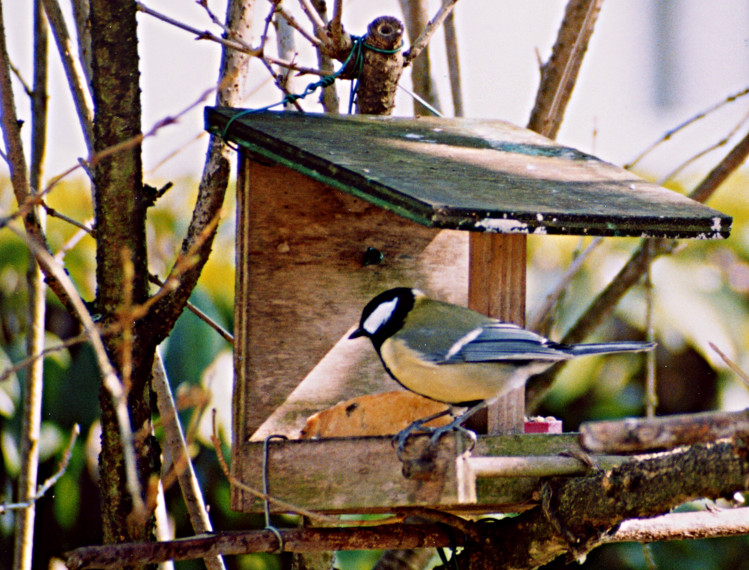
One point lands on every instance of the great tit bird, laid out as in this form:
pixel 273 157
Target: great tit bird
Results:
pixel 455 355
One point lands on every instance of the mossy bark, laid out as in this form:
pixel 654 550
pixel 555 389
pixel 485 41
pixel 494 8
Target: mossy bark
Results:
pixel 120 211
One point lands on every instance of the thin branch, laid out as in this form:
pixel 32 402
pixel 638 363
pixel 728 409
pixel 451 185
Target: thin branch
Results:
pixel 17 72
pixel 84 105
pixel 226 335
pixel 329 95
pixel 634 269
pixel 336 22
pixel 17 164
pixel 215 19
pixel 109 377
pixel 544 311
pixel 453 64
pixel 175 441
pixel 669 134
pixel 722 142
pixel 316 42
pixel 426 35
pixel 243 542
pixel 52 480
pixel 733 160
pixel 732 365
pixel 81 10
pixel 74 239
pixel 282 505
pixel 684 526
pixel 34 381
pixel 21 364
pixel 286 47
pixel 311 13
pixel 214 179
pixel 202 34
pixel 55 214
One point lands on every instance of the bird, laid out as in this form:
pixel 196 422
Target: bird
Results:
pixel 458 356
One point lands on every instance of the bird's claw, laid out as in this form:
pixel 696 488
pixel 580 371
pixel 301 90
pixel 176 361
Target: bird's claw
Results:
pixel 418 427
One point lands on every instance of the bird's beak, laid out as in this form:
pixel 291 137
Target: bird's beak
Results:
pixel 357 333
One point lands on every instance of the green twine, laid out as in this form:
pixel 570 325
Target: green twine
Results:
pixel 356 54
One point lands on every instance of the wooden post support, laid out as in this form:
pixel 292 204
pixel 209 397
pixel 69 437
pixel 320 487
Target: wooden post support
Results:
pixel 496 287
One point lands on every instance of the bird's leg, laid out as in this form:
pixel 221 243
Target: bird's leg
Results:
pixel 418 426
pixel 456 424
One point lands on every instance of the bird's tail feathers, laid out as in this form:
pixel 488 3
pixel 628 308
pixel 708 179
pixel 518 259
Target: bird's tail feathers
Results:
pixel 610 347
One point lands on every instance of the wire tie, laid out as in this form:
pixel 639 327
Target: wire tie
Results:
pixel 266 504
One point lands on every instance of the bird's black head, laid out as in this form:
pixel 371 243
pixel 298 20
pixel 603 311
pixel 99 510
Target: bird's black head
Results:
pixel 384 315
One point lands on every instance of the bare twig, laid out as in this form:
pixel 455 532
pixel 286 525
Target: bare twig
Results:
pixel 73 70
pixel 175 441
pixel 416 19
pixel 55 214
pixel 651 393
pixel 226 335
pixel 34 381
pixel 298 27
pixel 214 179
pixel 17 72
pixel 244 542
pixel 312 15
pixel 109 377
pixel 21 364
pixel 684 526
pixel 722 142
pixel 544 311
pixel 283 505
pixel 81 9
pixel 453 64
pixel 233 43
pixel 669 134
pixel 732 365
pixel 50 482
pixel 422 41
pixel 722 171
pixel 329 95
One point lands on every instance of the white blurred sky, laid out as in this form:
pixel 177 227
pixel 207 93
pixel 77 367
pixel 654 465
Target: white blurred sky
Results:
pixel 613 112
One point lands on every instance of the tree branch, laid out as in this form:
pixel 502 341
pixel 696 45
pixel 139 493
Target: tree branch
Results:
pixel 574 514
pixel 559 74
pixel 422 41
pixel 214 181
pixel 34 381
pixel 633 271
pixel 73 71
pixel 18 170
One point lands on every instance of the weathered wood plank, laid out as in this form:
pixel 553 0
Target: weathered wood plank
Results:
pixel 361 475
pixel 480 175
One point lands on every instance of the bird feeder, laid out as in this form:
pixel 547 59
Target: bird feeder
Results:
pixel 332 210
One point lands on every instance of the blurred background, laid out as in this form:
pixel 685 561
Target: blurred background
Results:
pixel 651 66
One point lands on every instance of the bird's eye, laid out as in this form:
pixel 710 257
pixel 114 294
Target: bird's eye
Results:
pixel 379 316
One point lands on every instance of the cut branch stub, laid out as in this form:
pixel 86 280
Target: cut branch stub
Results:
pixel 382 67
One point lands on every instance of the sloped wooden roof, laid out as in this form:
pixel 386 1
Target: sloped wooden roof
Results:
pixel 469 174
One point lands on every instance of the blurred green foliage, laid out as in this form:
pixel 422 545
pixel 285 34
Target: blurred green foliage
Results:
pixel 700 297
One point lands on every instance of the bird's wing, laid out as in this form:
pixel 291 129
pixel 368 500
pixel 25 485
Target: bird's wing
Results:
pixel 493 342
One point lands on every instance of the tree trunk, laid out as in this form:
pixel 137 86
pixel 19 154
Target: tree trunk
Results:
pixel 121 272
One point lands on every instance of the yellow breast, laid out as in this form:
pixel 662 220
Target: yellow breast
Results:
pixel 452 383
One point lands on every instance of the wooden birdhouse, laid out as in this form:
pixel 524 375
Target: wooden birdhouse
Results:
pixel 335 209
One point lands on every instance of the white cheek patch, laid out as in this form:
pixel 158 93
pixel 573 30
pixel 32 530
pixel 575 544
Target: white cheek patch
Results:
pixel 379 316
